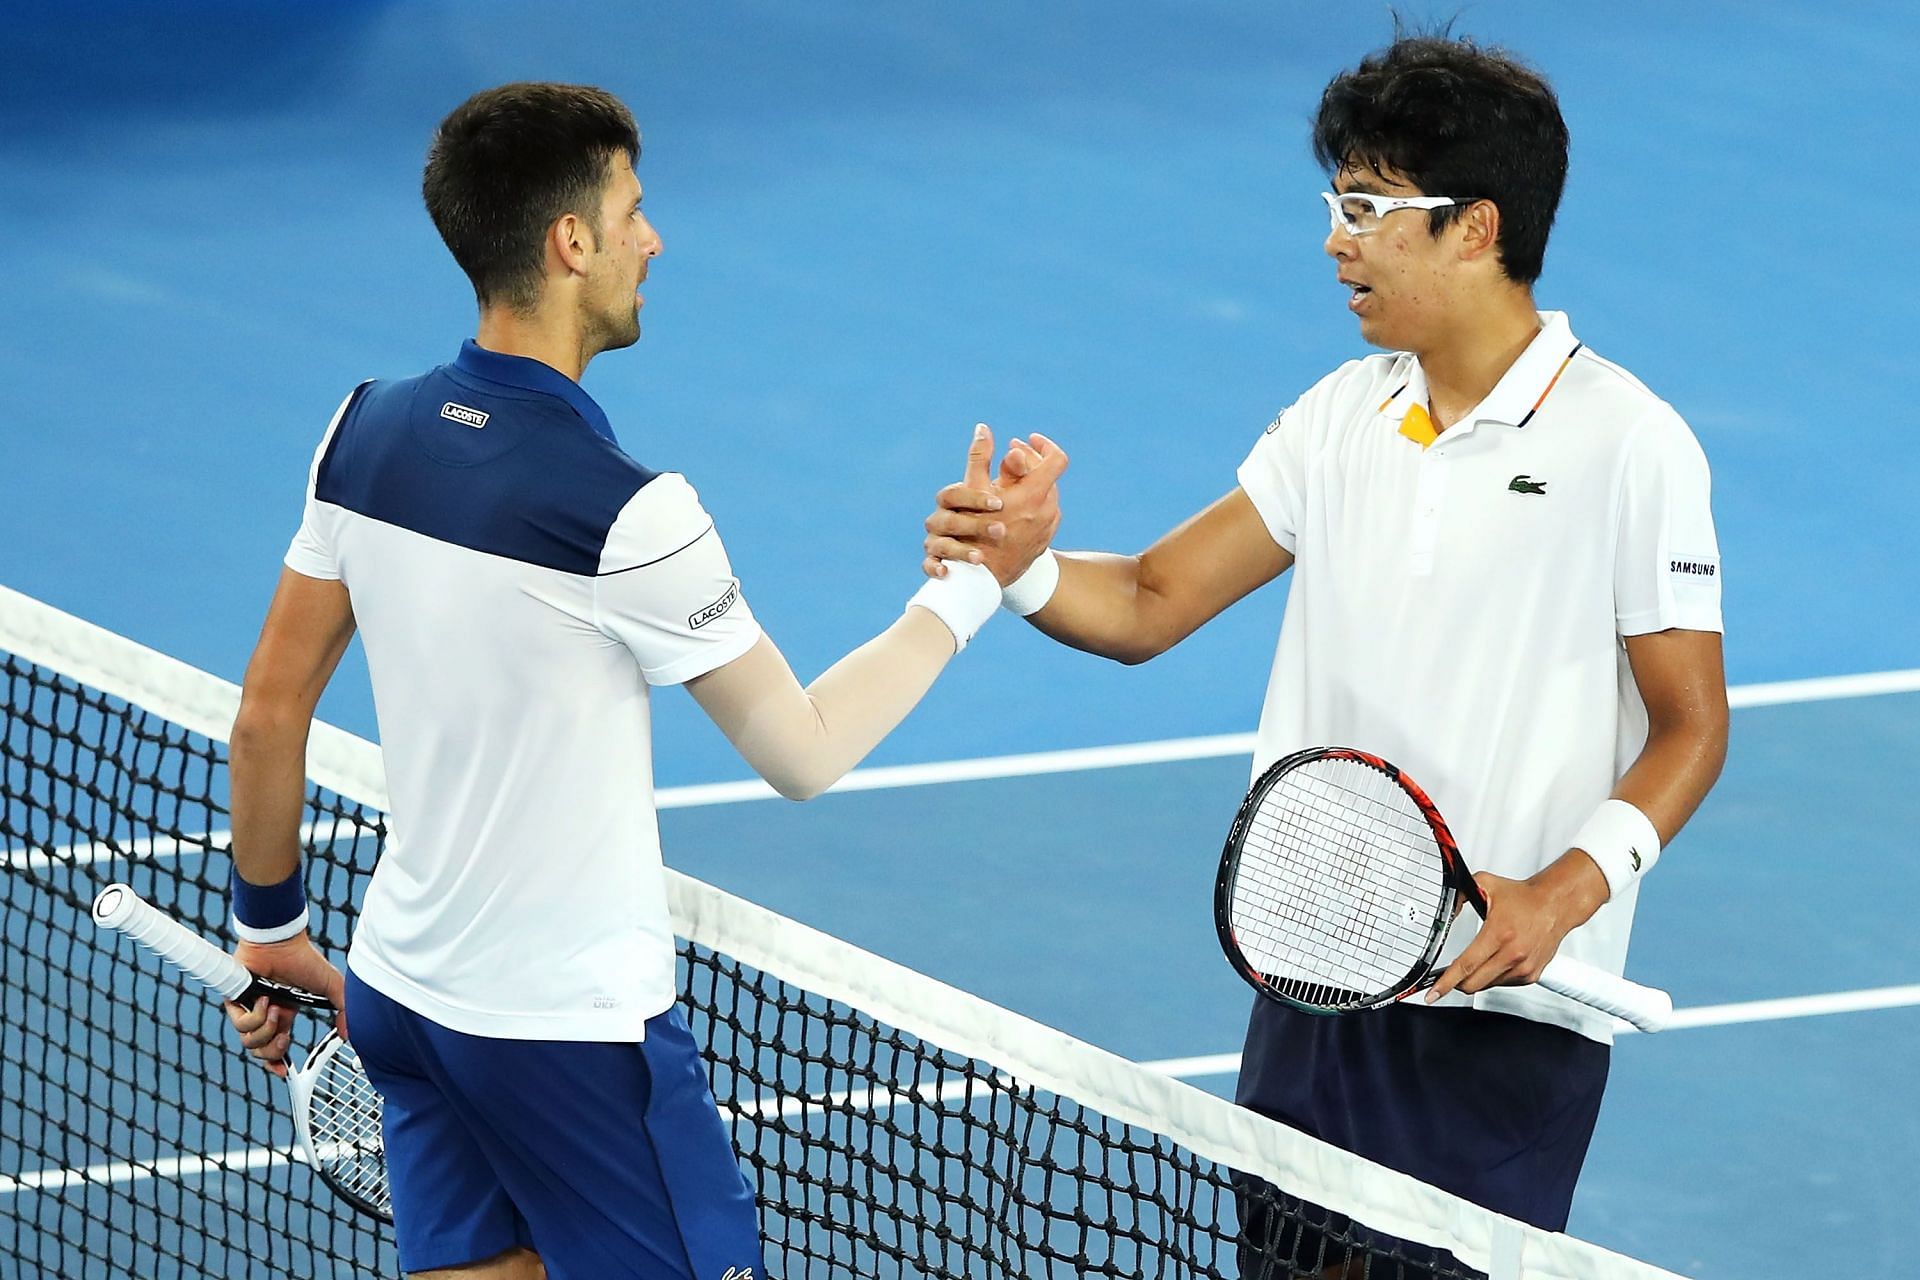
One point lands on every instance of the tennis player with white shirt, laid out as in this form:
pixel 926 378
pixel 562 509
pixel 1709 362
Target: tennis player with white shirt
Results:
pixel 522 584
pixel 1505 580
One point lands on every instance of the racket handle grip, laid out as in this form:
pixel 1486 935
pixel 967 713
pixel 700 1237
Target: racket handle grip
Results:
pixel 119 907
pixel 1647 1008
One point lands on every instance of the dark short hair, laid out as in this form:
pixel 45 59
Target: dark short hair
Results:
pixel 506 163
pixel 1455 119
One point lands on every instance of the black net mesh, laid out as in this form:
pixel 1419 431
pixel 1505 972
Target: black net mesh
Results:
pixel 876 1153
pixel 136 1140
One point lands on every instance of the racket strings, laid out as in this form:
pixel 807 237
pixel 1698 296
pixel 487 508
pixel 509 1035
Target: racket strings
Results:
pixel 343 1119
pixel 1342 890
pixel 1339 891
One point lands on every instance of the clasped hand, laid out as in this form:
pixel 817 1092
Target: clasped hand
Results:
pixel 1002 522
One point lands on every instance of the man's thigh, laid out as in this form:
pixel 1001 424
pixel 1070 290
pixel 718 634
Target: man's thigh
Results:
pixel 611 1157
pixel 514 1264
pixel 1491 1107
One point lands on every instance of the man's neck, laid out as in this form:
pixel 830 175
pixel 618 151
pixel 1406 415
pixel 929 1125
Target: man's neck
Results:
pixel 1480 345
pixel 543 335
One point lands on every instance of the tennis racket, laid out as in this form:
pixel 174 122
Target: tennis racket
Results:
pixel 336 1111
pixel 1340 882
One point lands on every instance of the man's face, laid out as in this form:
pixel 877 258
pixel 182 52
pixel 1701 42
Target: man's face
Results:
pixel 1401 275
pixel 626 244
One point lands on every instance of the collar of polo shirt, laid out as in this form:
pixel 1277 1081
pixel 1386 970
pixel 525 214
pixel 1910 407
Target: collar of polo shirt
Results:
pixel 531 375
pixel 1512 402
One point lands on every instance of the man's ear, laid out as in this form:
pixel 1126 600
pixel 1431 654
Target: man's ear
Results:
pixel 1479 228
pixel 570 241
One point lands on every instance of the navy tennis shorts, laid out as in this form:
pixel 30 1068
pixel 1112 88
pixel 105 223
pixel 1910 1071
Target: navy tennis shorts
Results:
pixel 608 1160
pixel 1495 1108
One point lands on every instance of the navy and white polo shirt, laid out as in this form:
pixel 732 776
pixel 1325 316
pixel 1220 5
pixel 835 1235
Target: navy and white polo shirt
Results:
pixel 520 583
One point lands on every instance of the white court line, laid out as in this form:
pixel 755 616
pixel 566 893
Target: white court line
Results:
pixel 1817 689
pixel 1721 1015
pixel 1028 765
pixel 882 1097
pixel 241 1161
pixel 943 1089
pixel 1824 688
pixel 1035 763
pixel 935 1093
pixel 1706 1015
pixel 85 855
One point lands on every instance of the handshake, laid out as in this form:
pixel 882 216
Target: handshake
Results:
pixel 1004 523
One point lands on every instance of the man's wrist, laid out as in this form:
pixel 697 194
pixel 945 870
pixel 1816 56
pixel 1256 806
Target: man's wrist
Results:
pixel 1575 886
pixel 1622 842
pixel 1028 594
pixel 267 913
pixel 963 600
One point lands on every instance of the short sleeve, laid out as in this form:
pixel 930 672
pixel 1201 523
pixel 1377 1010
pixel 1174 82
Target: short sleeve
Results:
pixel 312 551
pixel 665 588
pixel 1274 475
pixel 1667 560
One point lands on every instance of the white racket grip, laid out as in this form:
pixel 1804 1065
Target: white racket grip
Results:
pixel 1647 1008
pixel 119 907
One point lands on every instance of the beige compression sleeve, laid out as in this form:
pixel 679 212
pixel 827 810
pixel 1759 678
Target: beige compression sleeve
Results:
pixel 802 740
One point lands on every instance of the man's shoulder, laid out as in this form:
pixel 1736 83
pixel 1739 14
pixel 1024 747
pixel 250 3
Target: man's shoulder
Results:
pixel 472 402
pixel 658 521
pixel 1593 382
pixel 1353 388
pixel 1366 379
pixel 486 468
pixel 1604 412
pixel 463 421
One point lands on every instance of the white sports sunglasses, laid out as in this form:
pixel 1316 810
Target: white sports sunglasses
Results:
pixel 1359 213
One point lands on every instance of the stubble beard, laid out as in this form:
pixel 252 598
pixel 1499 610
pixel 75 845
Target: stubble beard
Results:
pixel 615 327
pixel 624 326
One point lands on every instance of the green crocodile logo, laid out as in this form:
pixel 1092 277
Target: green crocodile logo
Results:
pixel 1526 484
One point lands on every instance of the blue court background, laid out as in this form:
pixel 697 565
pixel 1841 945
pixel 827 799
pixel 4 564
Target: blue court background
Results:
pixel 884 223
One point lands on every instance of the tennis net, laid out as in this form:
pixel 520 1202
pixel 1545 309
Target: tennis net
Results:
pixel 893 1125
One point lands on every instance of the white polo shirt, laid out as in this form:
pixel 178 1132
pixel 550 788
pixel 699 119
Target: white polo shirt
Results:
pixel 1458 603
pixel 520 584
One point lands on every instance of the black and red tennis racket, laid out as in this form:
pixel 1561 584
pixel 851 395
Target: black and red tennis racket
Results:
pixel 1340 882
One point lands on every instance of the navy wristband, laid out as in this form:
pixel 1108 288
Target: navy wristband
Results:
pixel 269 912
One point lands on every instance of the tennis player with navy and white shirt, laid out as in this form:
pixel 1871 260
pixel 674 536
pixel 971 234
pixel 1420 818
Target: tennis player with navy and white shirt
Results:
pixel 1505 580
pixel 522 584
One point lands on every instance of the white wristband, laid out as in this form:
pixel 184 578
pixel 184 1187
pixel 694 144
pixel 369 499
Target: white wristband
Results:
pixel 278 933
pixel 1028 594
pixel 1622 840
pixel 964 599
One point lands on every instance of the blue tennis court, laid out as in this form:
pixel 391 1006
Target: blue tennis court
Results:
pixel 1101 222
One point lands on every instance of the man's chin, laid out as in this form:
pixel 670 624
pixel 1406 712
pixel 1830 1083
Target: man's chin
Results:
pixel 1375 334
pixel 624 335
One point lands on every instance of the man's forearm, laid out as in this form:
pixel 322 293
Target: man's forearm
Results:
pixel 1682 680
pixel 1667 782
pixel 1131 608
pixel 308 627
pixel 267 766
pixel 863 697
pixel 802 740
pixel 1673 774
pixel 1102 607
